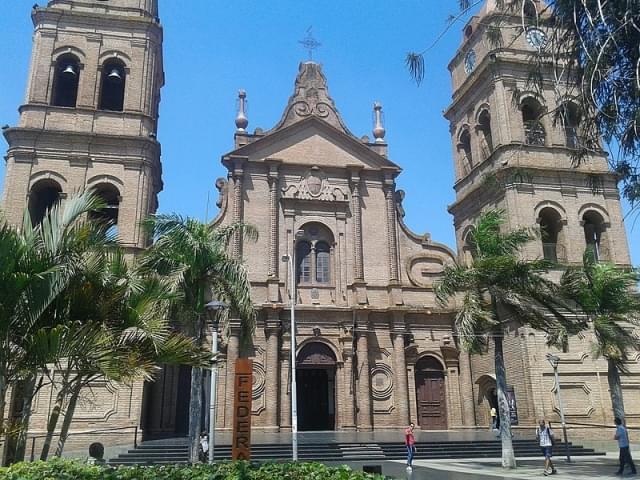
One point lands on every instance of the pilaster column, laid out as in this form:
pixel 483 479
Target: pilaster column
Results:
pixel 364 375
pixel 392 239
pixel 466 389
pixel 273 217
pixel 233 351
pixel 285 386
pixel 357 225
pixel 238 210
pixel 272 386
pixel 400 368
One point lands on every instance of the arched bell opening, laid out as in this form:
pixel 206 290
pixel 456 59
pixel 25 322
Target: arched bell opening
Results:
pixel 112 86
pixel 66 81
pixel 42 197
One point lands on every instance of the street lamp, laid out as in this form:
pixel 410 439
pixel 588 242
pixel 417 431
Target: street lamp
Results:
pixel 291 260
pixel 554 360
pixel 214 306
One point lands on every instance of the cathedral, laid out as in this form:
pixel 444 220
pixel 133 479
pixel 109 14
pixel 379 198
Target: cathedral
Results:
pixel 374 350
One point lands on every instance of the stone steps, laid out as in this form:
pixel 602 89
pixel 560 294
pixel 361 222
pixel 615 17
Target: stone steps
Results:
pixel 154 454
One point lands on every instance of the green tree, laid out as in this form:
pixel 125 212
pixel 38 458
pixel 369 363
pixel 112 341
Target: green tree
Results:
pixel 194 257
pixel 37 263
pixel 608 296
pixel 116 327
pixel 498 290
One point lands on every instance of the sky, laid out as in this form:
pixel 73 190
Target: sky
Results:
pixel 212 48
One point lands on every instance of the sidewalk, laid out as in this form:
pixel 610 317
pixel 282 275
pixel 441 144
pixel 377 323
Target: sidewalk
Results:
pixel 600 467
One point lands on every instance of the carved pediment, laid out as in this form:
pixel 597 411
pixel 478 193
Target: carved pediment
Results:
pixel 314 185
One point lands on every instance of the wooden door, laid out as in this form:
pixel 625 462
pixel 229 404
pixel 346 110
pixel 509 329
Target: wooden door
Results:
pixel 432 406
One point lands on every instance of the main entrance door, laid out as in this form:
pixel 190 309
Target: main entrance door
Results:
pixel 316 393
pixel 431 394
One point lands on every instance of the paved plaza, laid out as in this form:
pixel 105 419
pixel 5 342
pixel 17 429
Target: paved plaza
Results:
pixel 601 467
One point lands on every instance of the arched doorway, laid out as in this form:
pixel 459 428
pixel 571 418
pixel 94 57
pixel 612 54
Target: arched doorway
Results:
pixel 316 387
pixel 431 394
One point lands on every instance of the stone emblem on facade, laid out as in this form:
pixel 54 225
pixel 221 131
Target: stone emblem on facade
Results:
pixel 314 185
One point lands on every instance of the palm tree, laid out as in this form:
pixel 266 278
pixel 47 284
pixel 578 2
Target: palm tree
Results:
pixel 608 297
pixel 194 257
pixel 116 328
pixel 37 263
pixel 500 289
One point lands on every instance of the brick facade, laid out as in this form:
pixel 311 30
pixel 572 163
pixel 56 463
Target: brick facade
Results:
pixel 373 345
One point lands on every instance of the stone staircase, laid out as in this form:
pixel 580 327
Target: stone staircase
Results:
pixel 168 453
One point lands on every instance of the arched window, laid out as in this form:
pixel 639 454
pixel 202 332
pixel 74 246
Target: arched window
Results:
pixel 530 10
pixel 571 119
pixel 303 260
pixel 534 133
pixel 550 232
pixel 484 128
pixel 112 86
pixel 465 147
pixel 109 214
pixel 65 82
pixel 594 228
pixel 323 260
pixel 314 255
pixel 43 195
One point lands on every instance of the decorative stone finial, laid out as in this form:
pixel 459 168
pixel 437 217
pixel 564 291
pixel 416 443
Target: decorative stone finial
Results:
pixel 378 129
pixel 241 119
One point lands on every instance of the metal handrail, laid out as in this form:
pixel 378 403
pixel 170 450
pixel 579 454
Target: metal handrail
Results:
pixel 87 432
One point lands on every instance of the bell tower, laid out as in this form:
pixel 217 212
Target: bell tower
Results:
pixel 90 115
pixel 512 151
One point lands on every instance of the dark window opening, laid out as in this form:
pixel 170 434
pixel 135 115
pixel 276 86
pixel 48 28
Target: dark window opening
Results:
pixel 534 133
pixel 303 261
pixel 550 229
pixel 109 214
pixel 323 256
pixel 484 125
pixel 530 10
pixel 465 145
pixel 43 196
pixel 593 225
pixel 112 86
pixel 571 118
pixel 468 31
pixel 65 82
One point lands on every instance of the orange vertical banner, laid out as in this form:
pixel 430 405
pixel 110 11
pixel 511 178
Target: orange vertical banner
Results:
pixel 243 383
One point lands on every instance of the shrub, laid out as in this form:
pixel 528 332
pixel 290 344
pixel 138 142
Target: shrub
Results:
pixel 58 469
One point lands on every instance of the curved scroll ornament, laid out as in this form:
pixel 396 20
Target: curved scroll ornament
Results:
pixel 259 381
pixel 423 270
pixel 381 381
pixel 302 108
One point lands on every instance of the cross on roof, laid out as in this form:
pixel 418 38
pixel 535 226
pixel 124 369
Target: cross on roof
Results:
pixel 309 43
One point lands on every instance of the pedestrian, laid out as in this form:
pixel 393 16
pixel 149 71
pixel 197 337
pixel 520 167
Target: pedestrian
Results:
pixel 96 454
pixel 622 436
pixel 410 442
pixel 544 435
pixel 204 447
pixel 494 418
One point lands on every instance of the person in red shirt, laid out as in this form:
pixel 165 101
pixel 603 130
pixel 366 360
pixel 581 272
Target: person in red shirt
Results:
pixel 410 442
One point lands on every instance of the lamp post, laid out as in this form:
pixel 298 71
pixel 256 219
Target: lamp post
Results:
pixel 291 260
pixel 213 307
pixel 554 360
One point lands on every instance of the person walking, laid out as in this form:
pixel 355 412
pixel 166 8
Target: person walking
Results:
pixel 410 442
pixel 544 435
pixel 494 418
pixel 622 436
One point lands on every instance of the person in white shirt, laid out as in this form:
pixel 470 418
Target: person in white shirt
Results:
pixel 544 435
